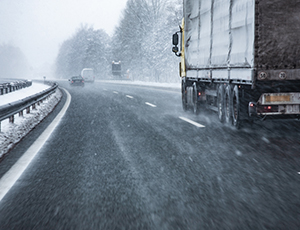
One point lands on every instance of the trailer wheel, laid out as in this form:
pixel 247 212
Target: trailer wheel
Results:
pixel 236 107
pixel 228 105
pixel 220 103
pixel 184 97
pixel 195 100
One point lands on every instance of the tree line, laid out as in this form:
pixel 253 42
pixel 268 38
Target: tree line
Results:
pixel 13 63
pixel 141 41
pixel 88 48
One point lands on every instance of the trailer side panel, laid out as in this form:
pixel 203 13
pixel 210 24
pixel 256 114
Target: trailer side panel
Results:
pixel 219 39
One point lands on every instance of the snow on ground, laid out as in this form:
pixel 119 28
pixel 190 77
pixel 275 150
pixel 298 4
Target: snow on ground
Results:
pixel 12 133
pixel 144 83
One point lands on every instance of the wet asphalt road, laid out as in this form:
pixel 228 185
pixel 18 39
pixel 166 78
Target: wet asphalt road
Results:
pixel 115 162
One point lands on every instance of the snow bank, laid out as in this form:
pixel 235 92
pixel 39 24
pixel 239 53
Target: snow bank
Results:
pixel 143 83
pixel 23 93
pixel 12 133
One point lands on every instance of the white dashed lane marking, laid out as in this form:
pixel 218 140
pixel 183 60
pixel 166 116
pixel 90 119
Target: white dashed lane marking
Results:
pixel 129 96
pixel 192 122
pixel 147 103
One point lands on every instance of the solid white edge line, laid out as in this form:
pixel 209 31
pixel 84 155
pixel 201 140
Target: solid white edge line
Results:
pixel 192 122
pixel 147 103
pixel 14 173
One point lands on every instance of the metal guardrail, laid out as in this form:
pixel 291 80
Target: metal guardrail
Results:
pixel 13 86
pixel 9 110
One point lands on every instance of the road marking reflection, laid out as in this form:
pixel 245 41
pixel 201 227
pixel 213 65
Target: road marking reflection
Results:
pixel 192 122
pixel 147 103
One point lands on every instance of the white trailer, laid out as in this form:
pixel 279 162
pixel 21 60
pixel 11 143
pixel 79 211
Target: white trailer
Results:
pixel 88 75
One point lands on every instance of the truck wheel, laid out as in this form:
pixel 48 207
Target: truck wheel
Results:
pixel 184 97
pixel 236 107
pixel 184 103
pixel 195 100
pixel 220 103
pixel 228 105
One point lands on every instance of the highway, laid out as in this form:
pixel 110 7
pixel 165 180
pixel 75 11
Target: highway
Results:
pixel 129 157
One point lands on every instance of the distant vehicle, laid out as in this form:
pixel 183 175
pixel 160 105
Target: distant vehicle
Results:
pixel 76 81
pixel 88 75
pixel 116 69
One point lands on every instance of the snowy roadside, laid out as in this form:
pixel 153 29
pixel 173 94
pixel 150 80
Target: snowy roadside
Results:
pixel 12 133
pixel 144 83
pixel 22 93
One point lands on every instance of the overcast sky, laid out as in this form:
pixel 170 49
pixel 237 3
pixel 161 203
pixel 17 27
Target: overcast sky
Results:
pixel 38 27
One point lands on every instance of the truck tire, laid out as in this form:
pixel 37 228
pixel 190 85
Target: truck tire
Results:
pixel 228 105
pixel 196 108
pixel 220 103
pixel 184 97
pixel 236 107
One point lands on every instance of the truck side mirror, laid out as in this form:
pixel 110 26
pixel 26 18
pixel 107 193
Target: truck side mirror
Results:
pixel 175 39
pixel 175 49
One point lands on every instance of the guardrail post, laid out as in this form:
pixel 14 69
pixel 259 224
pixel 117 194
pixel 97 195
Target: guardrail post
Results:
pixel 18 107
pixel 12 119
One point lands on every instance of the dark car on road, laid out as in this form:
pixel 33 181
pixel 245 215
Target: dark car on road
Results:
pixel 76 81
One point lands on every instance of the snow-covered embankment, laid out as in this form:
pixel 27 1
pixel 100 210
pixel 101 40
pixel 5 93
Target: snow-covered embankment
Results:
pixel 12 133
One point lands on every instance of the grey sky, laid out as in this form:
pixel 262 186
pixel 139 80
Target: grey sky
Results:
pixel 38 27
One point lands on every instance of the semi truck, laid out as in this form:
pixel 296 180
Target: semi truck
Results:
pixel 240 58
pixel 116 69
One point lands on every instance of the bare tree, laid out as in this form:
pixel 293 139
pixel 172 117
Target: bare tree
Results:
pixel 143 39
pixel 87 48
